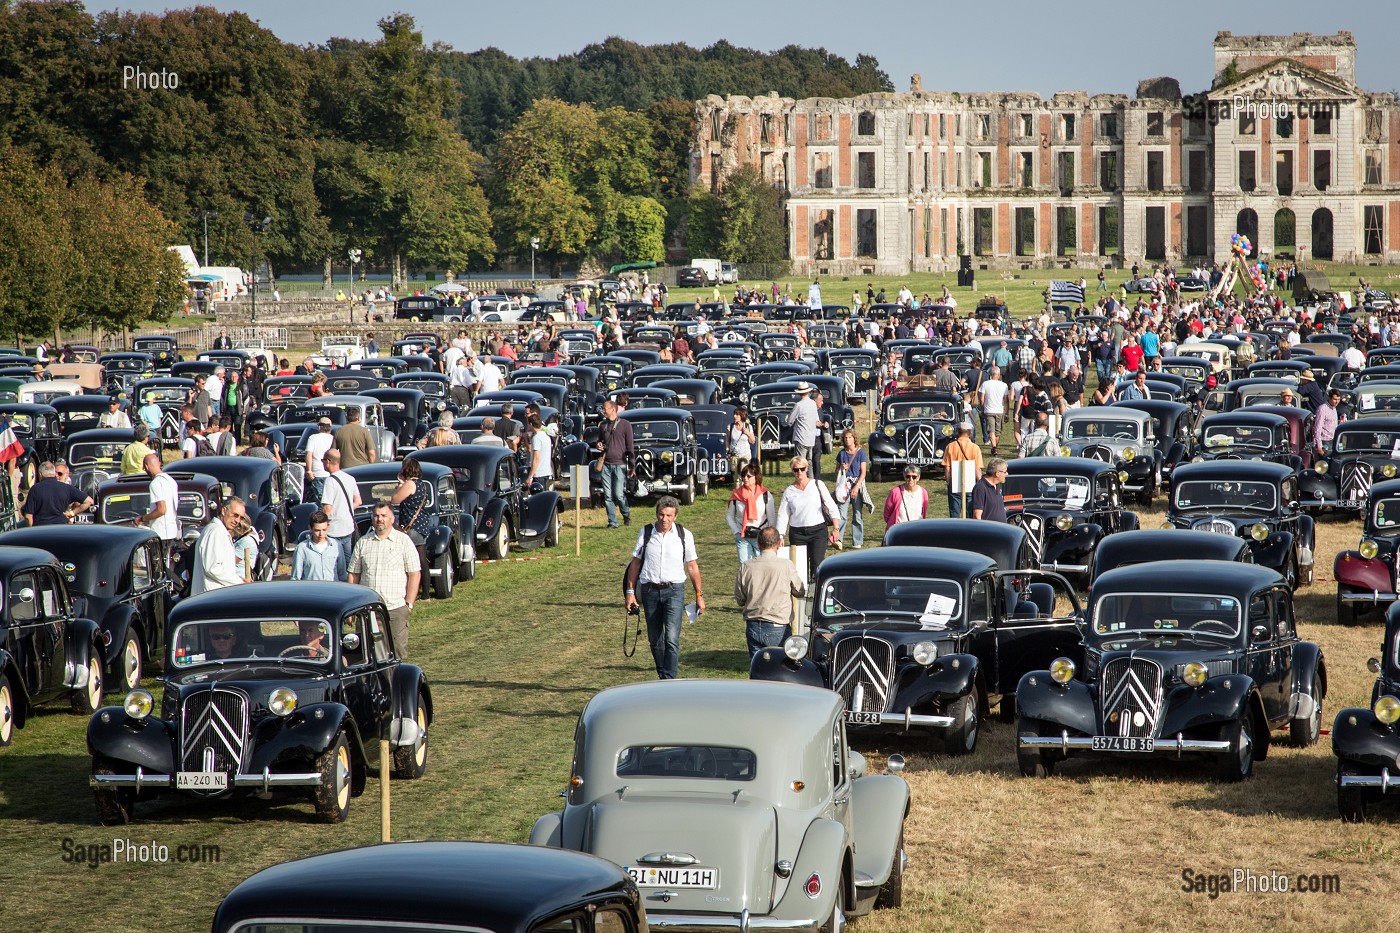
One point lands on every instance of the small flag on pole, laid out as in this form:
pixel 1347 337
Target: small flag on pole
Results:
pixel 1066 291
pixel 10 447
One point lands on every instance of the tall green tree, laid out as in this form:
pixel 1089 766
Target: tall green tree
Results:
pixel 742 223
pixel 36 253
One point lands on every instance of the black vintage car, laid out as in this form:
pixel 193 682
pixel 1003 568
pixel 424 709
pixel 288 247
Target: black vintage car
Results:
pixel 123 584
pixel 164 351
pixel 279 394
pixel 613 371
pixel 269 490
pixel 489 490
pixel 46 651
pixel 408 415
pixel 690 391
pixel 1200 657
pixel 1366 577
pixel 353 381
pixel 438 885
pixel 81 412
pixel 1066 506
pixel 1173 425
pixel 669 458
pixel 1366 741
pixel 169 394
pixel 727 368
pixel 1004 544
pixel 121 372
pixel 912 430
pixel 1145 545
pixel 1363 451
pixel 858 369
pixel 778 347
pixel 122 500
pixel 712 424
pixel 924 637
pixel 451 543
pixel 765 374
pixel 769 407
pixel 36 429
pixel 1250 500
pixel 268 687
pixel 95 456
pixel 1125 437
pixel 436 388
pixel 1246 434
pixel 644 376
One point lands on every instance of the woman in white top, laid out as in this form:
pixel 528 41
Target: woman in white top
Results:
pixel 741 441
pixel 807 515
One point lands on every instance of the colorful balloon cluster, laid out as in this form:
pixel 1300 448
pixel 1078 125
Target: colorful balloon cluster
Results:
pixel 1239 244
pixel 1258 274
pixel 1258 271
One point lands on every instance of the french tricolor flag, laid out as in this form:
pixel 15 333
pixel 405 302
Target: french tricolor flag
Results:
pixel 10 447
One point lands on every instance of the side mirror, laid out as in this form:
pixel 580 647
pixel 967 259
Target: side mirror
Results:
pixel 1373 665
pixel 856 765
pixel 1259 633
pixel 26 595
pixel 895 764
pixel 350 641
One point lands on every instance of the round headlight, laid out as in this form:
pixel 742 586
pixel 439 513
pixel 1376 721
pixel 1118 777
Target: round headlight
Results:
pixel 282 701
pixel 1129 453
pixel 138 704
pixel 889 430
pixel 1063 522
pixel 730 380
pixel 1062 670
pixel 1369 549
pixel 1198 459
pixel 667 456
pixel 1194 673
pixel 1122 476
pixel 441 406
pixel 1388 470
pixel 925 652
pixel 904 451
pixel 795 647
pixel 1320 466
pixel 1259 531
pixel 1167 525
pixel 947 430
pixel 1387 709
pixel 1064 450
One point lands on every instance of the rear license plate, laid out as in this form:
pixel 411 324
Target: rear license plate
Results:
pixel 82 518
pixel 861 718
pixel 675 877
pixel 1122 743
pixel 772 445
pixel 201 780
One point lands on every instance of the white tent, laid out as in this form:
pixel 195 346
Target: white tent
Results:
pixel 186 255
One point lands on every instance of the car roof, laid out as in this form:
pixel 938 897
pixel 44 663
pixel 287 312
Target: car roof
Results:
pixel 648 414
pixel 910 560
pixel 1071 466
pixel 1233 469
pixel 970 534
pixel 1243 416
pixel 18 558
pixel 276 600
pixel 653 710
pixel 1180 543
pixel 224 466
pixel 1195 577
pixel 1106 412
pixel 94 542
pixel 1384 423
pixel 390 469
pixel 461 453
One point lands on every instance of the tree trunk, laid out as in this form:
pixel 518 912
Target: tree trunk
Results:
pixel 326 283
pixel 399 281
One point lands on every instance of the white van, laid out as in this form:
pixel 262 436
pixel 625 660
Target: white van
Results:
pixel 712 268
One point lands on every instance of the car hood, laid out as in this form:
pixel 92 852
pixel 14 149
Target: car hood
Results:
pixel 728 832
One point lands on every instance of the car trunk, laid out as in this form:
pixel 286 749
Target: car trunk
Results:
pixel 734 836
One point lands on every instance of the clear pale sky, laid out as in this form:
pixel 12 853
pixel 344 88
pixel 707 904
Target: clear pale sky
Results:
pixel 1012 45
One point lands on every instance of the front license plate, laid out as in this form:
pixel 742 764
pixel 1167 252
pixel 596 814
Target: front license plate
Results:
pixel 861 718
pixel 772 445
pixel 201 780
pixel 1352 504
pixel 1122 743
pixel 675 877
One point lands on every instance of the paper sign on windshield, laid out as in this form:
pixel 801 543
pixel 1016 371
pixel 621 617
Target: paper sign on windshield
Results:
pixel 938 611
pixel 1368 401
pixel 1076 496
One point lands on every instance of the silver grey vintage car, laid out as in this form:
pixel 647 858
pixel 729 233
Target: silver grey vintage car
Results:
pixel 734 806
pixel 1124 437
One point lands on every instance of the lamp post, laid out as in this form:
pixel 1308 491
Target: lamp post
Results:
pixel 204 215
pixel 257 225
pixel 355 256
pixel 534 245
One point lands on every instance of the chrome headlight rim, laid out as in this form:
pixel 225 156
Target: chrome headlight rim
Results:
pixel 924 653
pixel 1062 670
pixel 1368 549
pixel 1387 709
pixel 1388 470
pixel 1259 531
pixel 795 647
pixel 138 704
pixel 1129 454
pixel 1321 467
pixel 1194 673
pixel 947 430
pixel 282 701
pixel 1064 522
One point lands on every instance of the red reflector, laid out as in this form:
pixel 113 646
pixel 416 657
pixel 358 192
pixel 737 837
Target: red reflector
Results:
pixel 814 885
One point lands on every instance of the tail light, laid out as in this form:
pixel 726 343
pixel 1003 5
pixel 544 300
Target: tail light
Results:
pixel 813 887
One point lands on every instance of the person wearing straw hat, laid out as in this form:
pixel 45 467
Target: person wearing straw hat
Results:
pixel 1311 392
pixel 803 420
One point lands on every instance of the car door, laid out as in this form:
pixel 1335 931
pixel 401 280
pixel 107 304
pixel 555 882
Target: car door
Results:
pixel 37 629
pixel 365 670
pixel 840 776
pixel 1262 661
pixel 1285 639
pixel 150 591
pixel 1029 639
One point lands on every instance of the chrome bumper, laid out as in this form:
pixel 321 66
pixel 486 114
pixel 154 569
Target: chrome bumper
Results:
pixel 263 782
pixel 1383 780
pixel 743 923
pixel 1066 568
pixel 1064 742
pixel 1372 598
pixel 907 719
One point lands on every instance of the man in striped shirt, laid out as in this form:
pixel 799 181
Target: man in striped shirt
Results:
pixel 1325 422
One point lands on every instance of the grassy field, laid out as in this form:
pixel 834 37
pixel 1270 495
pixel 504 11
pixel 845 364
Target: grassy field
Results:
pixel 512 659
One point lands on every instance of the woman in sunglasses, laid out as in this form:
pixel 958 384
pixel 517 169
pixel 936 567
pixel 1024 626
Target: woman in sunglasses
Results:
pixel 807 514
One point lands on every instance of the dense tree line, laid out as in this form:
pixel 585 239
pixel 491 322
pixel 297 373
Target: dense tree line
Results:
pixel 417 155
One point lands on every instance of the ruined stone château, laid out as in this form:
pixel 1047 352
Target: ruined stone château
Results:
pixel 1283 147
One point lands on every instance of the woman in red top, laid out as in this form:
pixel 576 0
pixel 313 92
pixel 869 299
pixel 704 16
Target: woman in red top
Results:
pixel 750 511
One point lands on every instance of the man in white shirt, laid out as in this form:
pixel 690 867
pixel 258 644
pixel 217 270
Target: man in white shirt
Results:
pixel 994 395
pixel 163 518
pixel 316 447
pixel 213 555
pixel 215 387
pixel 339 501
pixel 490 378
pixel 462 379
pixel 664 556
pixel 114 417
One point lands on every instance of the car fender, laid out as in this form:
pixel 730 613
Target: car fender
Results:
pixel 438 541
pixel 548 830
pixel 1079 540
pixel 774 664
pixel 947 678
pixel 824 853
pixel 1175 455
pixel 1351 569
pixel 1274 551
pixel 1307 531
pixel 879 803
pixel 1357 735
pixel 115 626
pixel 83 642
pixel 1130 521
pixel 576 453
pixel 1307 663
pixel 1314 485
pixel 408 685
pixel 301 519
pixel 147 743
pixel 1069 705
pixel 1219 699
pixel 537 513
pixel 306 733
pixel 492 514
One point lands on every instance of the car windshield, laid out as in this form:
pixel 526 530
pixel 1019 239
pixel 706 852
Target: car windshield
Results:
pixel 121 508
pixel 47 395
pixel 1387 514
pixel 1237 435
pixel 1119 614
pixel 1100 429
pixel 427 387
pixel 690 761
pixel 768 401
pixel 172 395
pixel 95 455
pixel 656 430
pixel 21 424
pixel 1371 401
pixel 920 411
pixel 205 642
pixel 929 603
pixel 1370 441
pixel 1061 492
pixel 1267 395
pixel 1226 494
pixel 150 345
pixel 278 392
pixel 850 359
pixel 712 422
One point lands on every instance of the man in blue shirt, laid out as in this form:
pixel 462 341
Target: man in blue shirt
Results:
pixel 1149 345
pixel 51 501
pixel 987 503
pixel 319 558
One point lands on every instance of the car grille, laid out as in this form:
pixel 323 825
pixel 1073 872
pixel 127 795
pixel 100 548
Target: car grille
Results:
pixel 919 440
pixel 1132 689
pixel 214 730
pixel 1213 669
pixel 1215 526
pixel 1097 452
pixel 1355 480
pixel 868 662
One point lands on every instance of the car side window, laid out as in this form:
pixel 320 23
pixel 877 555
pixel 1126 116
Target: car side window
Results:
pixel 979 597
pixel 379 635
pixel 569 923
pixel 1260 613
pixel 355 625
pixel 140 568
pixel 838 756
pixel 1283 613
pixel 611 921
pixel 447 496
pixel 24 609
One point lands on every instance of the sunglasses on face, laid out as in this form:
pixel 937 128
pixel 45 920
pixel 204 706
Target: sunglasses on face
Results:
pixel 799 469
pixel 221 636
